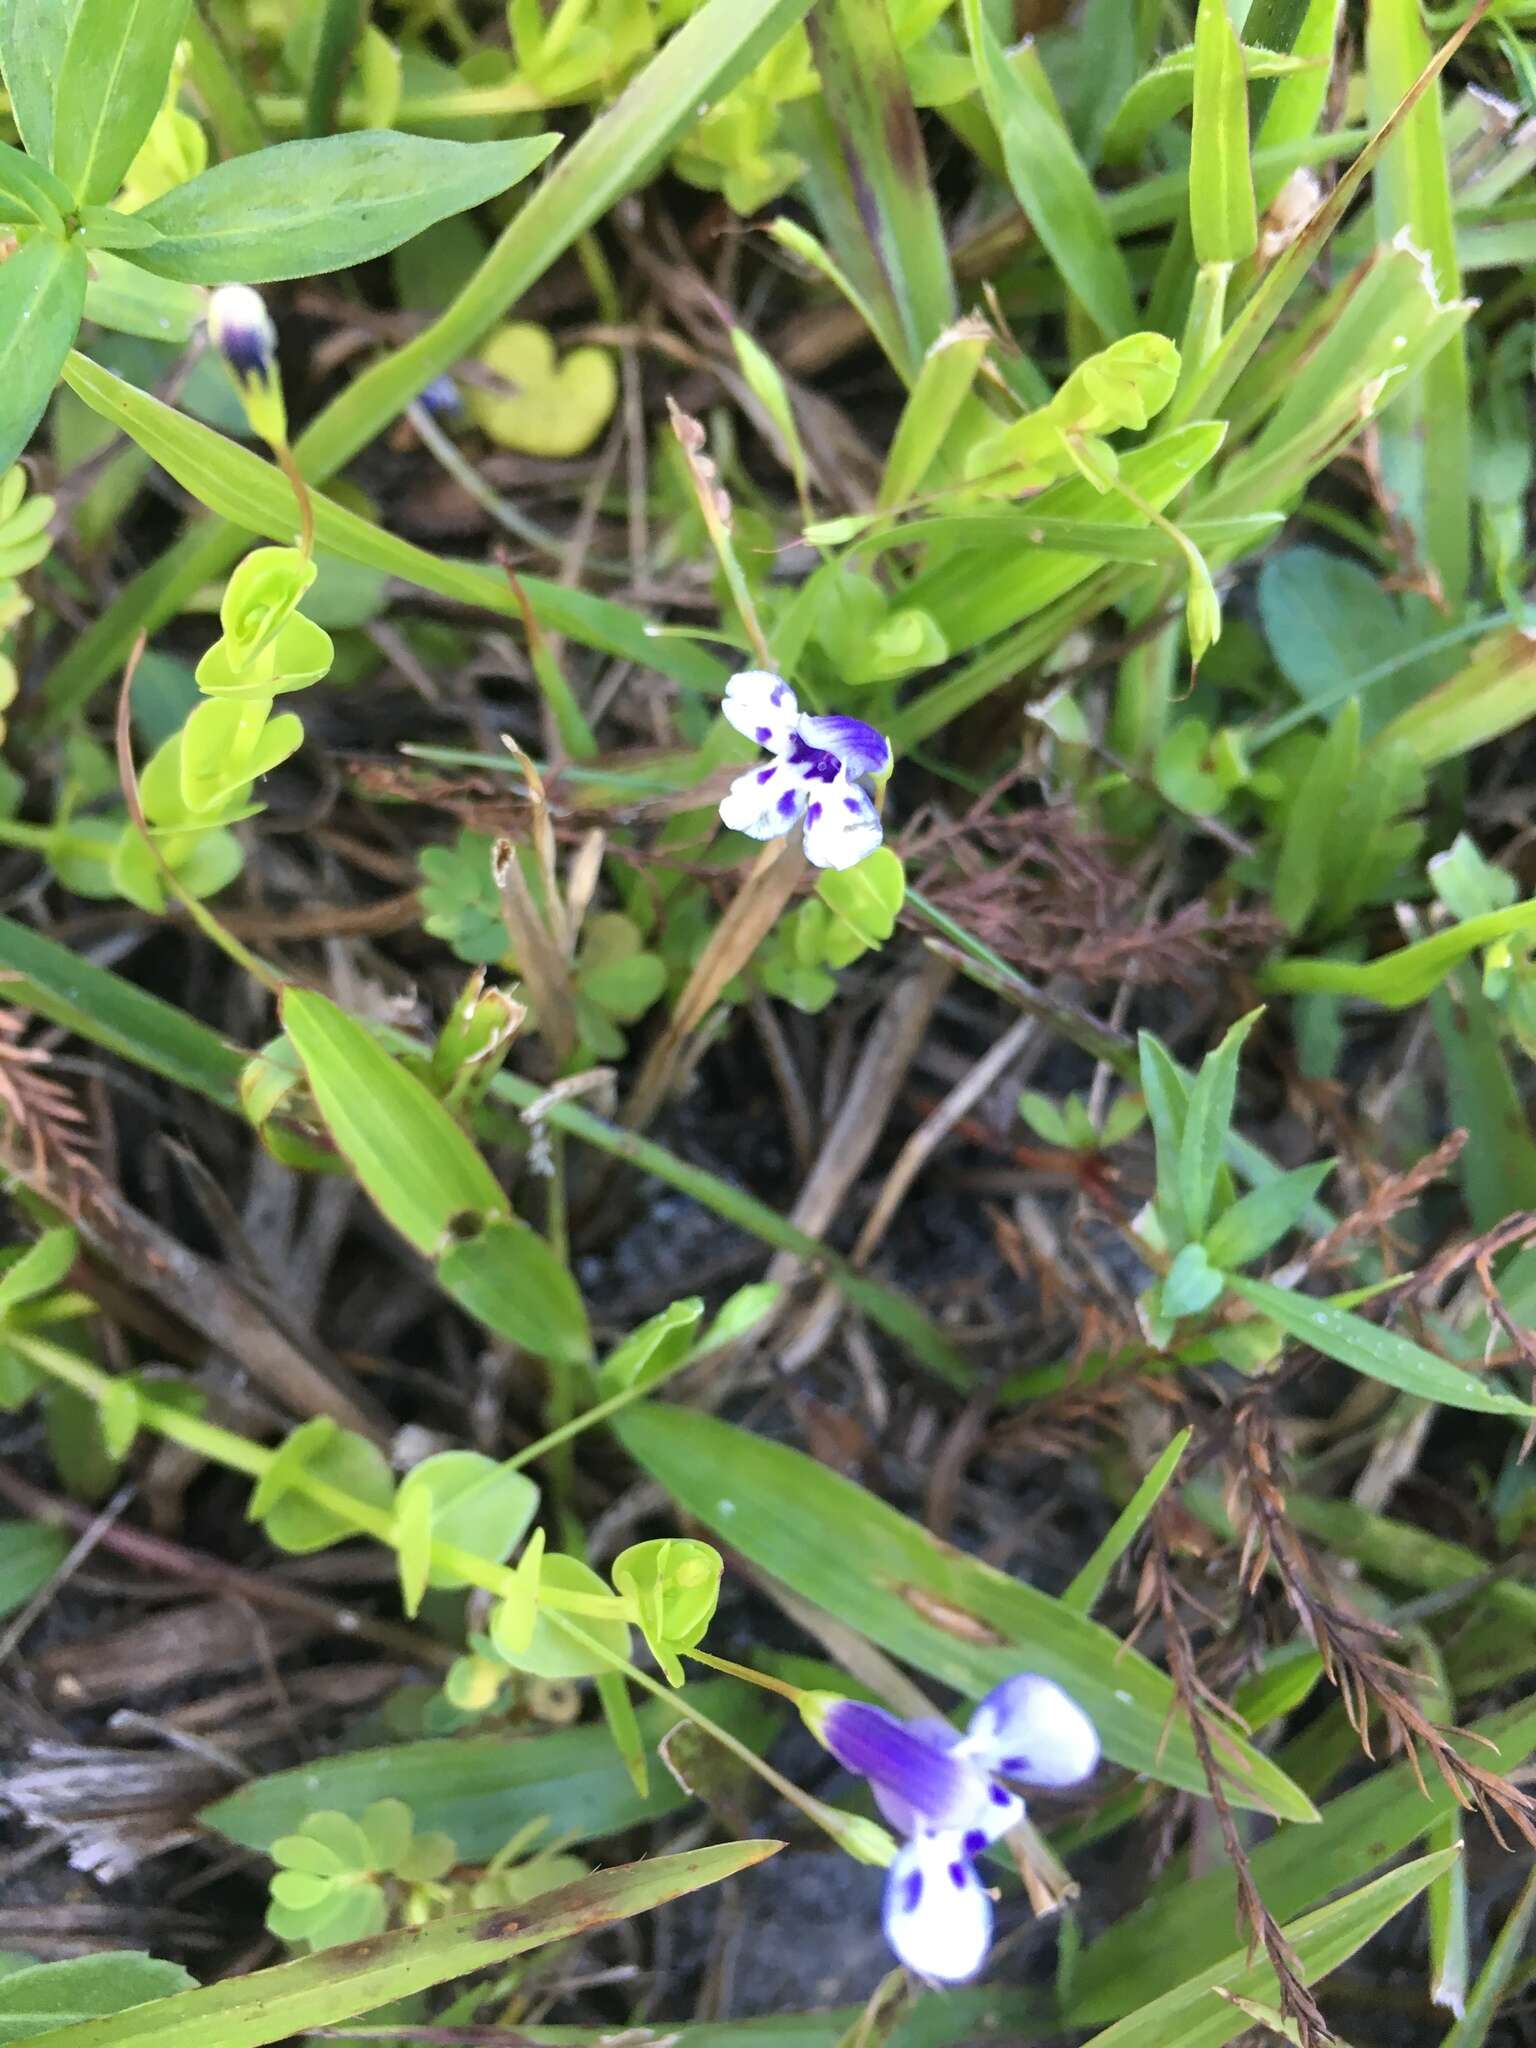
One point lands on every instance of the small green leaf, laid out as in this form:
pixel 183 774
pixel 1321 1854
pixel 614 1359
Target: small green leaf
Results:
pixel 474 1505
pixel 30 195
pixel 412 1159
pixel 300 208
pixel 388 1825
pixel 551 1652
pixel 40 1268
pixel 30 1553
pixel 1190 1285
pixel 412 1539
pixel 1263 1216
pixel 33 35
pixel 1207 1124
pixel 319 1450
pixel 40 1998
pixel 517 1611
pixel 649 1353
pixel 1167 1098
pixel 934 403
pixel 119 1415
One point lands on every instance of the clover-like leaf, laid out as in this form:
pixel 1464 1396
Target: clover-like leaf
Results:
pixel 541 405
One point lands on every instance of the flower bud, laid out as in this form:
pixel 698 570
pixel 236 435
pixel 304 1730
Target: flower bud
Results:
pixel 240 328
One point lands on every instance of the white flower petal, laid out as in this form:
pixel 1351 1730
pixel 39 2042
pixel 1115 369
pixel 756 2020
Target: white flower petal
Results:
pixel 764 803
pixel 938 1917
pixel 1028 1728
pixel 761 705
pixel 841 825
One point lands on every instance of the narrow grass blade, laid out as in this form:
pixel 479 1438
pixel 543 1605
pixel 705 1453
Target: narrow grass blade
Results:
pixel 1049 179
pixel 892 245
pixel 1497 1167
pixel 1426 442
pixel 1497 1976
pixel 1194 2017
pixel 340 1983
pixel 1082 1595
pixel 1379 1354
pixel 1222 217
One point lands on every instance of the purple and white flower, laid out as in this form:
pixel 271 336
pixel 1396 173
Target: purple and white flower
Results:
pixel 822 771
pixel 940 1789
pixel 240 328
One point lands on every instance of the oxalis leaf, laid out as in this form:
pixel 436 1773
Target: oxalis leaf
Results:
pixel 482 1789
pixel 320 1991
pixel 950 1615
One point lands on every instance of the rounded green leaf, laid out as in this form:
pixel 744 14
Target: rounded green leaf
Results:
pixel 475 1505
pixel 513 1282
pixel 342 1460
pixel 388 1824
pixel 551 1652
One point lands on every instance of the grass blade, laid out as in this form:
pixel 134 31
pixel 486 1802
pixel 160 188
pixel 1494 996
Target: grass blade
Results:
pixel 340 1983
pixel 1049 180
pixel 950 1615
pixel 1426 440
pixel 892 243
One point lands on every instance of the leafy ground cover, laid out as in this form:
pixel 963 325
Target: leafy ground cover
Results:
pixel 767 987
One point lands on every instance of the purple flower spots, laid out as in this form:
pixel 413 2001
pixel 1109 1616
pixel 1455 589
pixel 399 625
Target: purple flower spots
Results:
pixel 938 1788
pixel 833 757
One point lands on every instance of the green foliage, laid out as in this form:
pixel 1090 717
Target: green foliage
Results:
pixel 852 913
pixel 1220 360
pixel 674 1582
pixel 39 1998
pixel 339 1879
pixel 459 898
